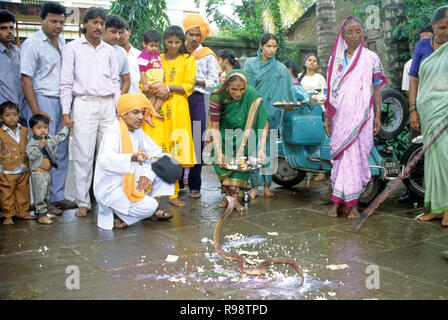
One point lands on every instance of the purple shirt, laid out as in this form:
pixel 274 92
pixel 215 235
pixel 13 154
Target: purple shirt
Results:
pixel 87 71
pixel 422 51
pixel 148 60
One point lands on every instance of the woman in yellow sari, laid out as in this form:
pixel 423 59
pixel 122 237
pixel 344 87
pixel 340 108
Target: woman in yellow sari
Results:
pixel 173 132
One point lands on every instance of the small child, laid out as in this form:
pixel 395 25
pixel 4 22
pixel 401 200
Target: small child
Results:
pixel 41 150
pixel 151 71
pixel 14 166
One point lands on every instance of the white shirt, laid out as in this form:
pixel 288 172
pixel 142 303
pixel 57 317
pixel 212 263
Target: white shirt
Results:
pixel 405 81
pixel 134 70
pixel 207 70
pixel 317 81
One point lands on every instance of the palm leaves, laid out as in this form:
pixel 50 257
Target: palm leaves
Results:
pixel 289 10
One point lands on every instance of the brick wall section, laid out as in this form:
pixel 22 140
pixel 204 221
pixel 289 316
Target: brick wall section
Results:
pixel 304 30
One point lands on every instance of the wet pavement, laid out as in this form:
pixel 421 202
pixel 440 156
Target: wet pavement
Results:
pixel 393 256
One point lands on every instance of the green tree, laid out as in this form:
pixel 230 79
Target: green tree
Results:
pixel 252 18
pixel 246 24
pixel 141 15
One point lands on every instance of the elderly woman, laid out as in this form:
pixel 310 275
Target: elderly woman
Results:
pixel 273 81
pixel 173 132
pixel 236 107
pixel 432 108
pixel 355 76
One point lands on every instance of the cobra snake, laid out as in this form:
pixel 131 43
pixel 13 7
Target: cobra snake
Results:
pixel 241 260
pixel 392 185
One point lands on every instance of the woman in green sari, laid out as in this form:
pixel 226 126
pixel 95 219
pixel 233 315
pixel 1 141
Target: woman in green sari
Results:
pixel 238 123
pixel 273 81
pixel 432 108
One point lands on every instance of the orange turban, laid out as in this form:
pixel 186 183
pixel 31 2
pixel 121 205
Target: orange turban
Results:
pixel 127 103
pixel 130 101
pixel 193 20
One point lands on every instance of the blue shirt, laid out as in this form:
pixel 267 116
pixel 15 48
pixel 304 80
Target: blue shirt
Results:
pixel 41 61
pixel 10 87
pixel 422 51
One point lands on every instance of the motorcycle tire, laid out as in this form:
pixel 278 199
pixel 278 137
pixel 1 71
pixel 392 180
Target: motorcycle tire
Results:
pixel 373 188
pixel 415 181
pixel 394 114
pixel 287 176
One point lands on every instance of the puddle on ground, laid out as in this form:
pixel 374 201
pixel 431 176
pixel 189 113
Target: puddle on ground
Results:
pixel 221 275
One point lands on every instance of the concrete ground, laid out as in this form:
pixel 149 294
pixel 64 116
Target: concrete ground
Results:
pixel 393 256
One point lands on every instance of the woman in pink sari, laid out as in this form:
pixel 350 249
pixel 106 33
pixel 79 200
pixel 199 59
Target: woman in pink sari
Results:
pixel 355 76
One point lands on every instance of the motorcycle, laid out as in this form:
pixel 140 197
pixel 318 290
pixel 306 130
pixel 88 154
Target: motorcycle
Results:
pixel 415 180
pixel 305 148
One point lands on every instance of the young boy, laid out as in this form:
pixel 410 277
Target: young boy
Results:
pixel 151 71
pixel 41 150
pixel 14 166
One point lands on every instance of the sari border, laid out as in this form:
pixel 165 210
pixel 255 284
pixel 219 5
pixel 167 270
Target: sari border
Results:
pixel 347 204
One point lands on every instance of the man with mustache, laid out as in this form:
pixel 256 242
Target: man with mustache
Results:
pixel 114 28
pixel 207 77
pixel 120 174
pixel 89 80
pixel 40 69
pixel 10 88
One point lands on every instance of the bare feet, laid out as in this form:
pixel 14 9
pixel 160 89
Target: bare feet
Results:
pixel 81 212
pixel 445 219
pixel 8 221
pixel 430 216
pixel 239 207
pixel 223 204
pixel 268 193
pixel 28 217
pixel 254 193
pixel 334 211
pixel 354 213
pixel 177 203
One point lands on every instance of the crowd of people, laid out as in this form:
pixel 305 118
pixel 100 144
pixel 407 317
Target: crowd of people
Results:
pixel 127 109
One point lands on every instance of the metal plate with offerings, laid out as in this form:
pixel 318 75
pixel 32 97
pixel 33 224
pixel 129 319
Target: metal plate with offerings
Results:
pixel 243 164
pixel 285 104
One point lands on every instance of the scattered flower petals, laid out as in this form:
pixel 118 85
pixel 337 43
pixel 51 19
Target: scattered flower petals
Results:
pixel 337 266
pixel 171 258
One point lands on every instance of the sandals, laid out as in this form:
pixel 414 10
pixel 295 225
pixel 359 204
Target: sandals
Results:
pixel 162 216
pixel 118 224
pixel 195 194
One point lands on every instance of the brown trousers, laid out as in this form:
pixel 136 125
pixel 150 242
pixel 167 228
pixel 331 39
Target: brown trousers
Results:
pixel 15 194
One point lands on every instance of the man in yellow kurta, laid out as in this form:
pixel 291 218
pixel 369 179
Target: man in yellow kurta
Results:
pixel 173 132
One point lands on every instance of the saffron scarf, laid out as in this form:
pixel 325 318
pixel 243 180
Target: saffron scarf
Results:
pixel 127 103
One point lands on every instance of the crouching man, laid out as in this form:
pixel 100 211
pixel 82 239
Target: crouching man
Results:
pixel 121 176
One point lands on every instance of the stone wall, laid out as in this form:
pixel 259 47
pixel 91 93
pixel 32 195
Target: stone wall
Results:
pixel 304 30
pixel 394 13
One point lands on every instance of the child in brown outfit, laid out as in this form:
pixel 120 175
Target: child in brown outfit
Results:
pixel 14 166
